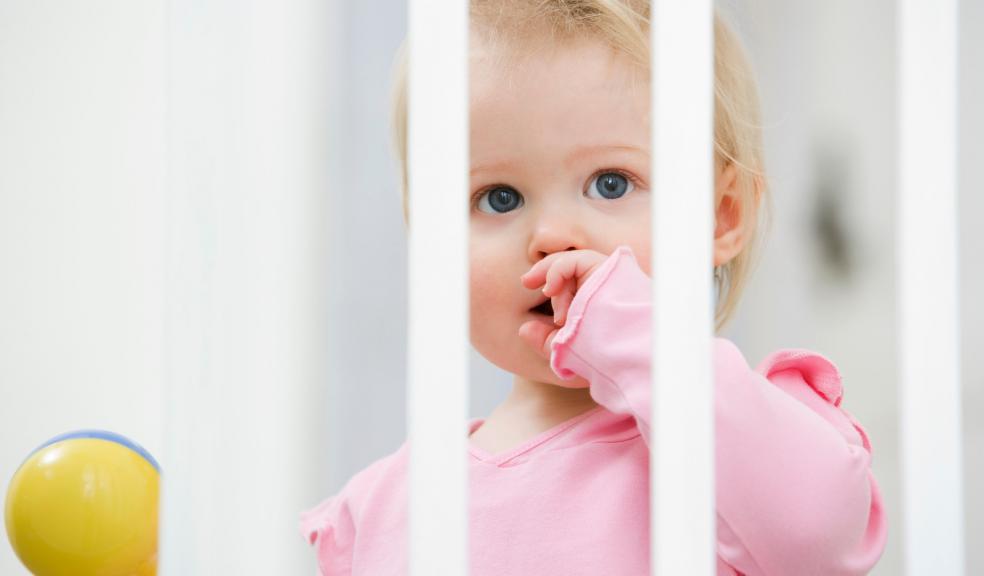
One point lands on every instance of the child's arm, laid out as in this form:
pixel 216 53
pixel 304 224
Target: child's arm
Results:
pixel 795 494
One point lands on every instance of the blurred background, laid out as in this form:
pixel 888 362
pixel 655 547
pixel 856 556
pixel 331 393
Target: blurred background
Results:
pixel 97 109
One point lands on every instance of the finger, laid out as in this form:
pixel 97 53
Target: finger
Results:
pixel 538 335
pixel 575 266
pixel 561 303
pixel 536 275
pixel 558 274
pixel 553 267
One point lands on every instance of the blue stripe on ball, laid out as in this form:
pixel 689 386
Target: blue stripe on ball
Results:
pixel 103 435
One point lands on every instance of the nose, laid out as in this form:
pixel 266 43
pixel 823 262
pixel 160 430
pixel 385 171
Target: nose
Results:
pixel 556 231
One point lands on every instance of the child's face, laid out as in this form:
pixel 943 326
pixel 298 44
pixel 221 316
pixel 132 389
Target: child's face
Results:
pixel 559 160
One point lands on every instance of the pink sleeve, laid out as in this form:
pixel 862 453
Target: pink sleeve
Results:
pixel 794 490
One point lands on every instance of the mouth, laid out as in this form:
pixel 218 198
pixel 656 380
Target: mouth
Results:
pixel 545 308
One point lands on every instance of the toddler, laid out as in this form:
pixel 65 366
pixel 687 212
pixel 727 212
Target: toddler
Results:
pixel 560 298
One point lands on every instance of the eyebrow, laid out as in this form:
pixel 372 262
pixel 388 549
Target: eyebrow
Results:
pixel 578 153
pixel 584 151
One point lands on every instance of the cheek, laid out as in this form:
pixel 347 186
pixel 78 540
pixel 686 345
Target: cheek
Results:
pixel 481 290
pixel 490 272
pixel 641 241
pixel 485 294
pixel 632 230
pixel 642 252
pixel 494 290
pixel 491 286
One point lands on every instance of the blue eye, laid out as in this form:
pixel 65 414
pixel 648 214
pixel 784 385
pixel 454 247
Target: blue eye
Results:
pixel 499 200
pixel 610 185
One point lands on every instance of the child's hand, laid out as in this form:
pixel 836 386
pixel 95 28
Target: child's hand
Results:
pixel 561 274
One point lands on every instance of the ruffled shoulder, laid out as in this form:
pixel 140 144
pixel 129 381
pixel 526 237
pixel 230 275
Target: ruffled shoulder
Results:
pixel 820 374
pixel 332 525
pixel 323 519
pixel 330 528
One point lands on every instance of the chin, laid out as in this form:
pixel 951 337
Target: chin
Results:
pixel 541 372
pixel 576 382
pixel 520 360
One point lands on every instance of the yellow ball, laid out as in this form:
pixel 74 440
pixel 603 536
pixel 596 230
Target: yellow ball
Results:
pixel 85 504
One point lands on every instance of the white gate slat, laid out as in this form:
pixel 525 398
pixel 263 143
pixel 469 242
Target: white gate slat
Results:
pixel 245 279
pixel 682 472
pixel 438 286
pixel 928 347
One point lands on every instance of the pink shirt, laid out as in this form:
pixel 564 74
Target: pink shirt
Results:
pixel 794 493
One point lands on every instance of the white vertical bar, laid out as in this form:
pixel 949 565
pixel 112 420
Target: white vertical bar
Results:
pixel 928 290
pixel 438 286
pixel 245 278
pixel 682 473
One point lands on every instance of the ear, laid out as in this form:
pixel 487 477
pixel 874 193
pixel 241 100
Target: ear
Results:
pixel 729 237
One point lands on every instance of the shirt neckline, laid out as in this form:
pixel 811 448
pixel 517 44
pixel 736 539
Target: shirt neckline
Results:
pixel 503 457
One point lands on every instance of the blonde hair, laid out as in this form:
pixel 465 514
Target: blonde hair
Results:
pixel 624 25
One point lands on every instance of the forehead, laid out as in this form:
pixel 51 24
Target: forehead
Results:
pixel 545 99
